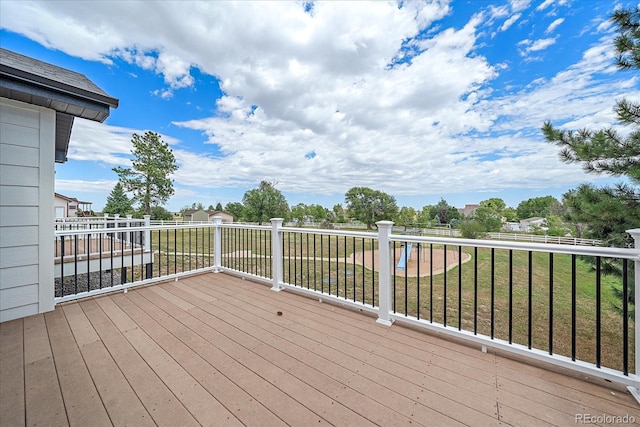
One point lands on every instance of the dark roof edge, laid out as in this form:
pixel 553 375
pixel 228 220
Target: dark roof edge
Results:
pixel 34 79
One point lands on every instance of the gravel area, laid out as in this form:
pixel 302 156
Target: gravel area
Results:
pixel 94 282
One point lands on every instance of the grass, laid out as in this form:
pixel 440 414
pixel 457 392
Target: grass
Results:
pixel 465 311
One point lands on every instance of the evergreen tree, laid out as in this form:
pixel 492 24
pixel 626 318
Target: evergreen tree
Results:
pixel 219 206
pixel 443 212
pixel 118 202
pixel 609 211
pixel 148 179
pixel 606 151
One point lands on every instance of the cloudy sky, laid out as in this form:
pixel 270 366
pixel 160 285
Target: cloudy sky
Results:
pixel 420 100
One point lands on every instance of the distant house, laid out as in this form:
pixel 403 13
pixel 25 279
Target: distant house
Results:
pixel 468 210
pixel 200 215
pixel 511 226
pixel 69 207
pixel 531 224
pixel 38 104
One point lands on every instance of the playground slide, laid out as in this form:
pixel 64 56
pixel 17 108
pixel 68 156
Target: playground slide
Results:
pixel 405 256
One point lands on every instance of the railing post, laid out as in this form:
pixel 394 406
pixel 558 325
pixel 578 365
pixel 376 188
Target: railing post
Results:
pixel 147 247
pixel 128 235
pixel 147 233
pixel 635 233
pixel 276 254
pixel 384 282
pixel 217 243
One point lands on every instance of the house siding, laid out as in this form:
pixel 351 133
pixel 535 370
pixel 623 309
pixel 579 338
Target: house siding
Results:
pixel 60 203
pixel 208 216
pixel 26 201
pixel 201 216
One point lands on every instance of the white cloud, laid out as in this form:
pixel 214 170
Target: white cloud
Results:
pixel 529 46
pixel 548 3
pixel 296 83
pixel 545 4
pixel 574 98
pixel 509 22
pixel 551 28
pixel 604 26
pixel 519 5
pixel 498 11
pixel 99 142
pixel 73 186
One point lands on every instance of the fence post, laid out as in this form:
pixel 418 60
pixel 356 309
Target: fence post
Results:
pixel 147 248
pixel 217 243
pixel 384 282
pixel 277 269
pixel 635 233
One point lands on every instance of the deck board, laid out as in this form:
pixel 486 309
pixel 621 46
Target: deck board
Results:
pixel 349 363
pixel 212 350
pixel 157 398
pixel 237 401
pixel 313 372
pixel 12 410
pixel 85 405
pixel 201 337
pixel 43 398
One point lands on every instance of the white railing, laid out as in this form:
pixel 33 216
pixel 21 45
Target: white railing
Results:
pixel 560 240
pixel 387 293
pixel 364 270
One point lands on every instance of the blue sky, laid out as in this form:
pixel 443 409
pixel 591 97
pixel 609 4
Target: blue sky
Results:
pixel 420 100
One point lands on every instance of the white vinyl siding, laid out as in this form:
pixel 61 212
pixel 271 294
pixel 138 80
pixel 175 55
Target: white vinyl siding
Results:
pixel 26 201
pixel 28 195
pixel 18 236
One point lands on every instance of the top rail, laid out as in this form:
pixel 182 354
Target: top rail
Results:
pixel 628 253
pixel 366 235
pixel 131 229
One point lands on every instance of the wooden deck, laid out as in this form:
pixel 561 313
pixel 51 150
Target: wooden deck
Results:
pixel 213 350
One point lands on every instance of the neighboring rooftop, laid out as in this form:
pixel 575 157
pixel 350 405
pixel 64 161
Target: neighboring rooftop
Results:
pixel 69 93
